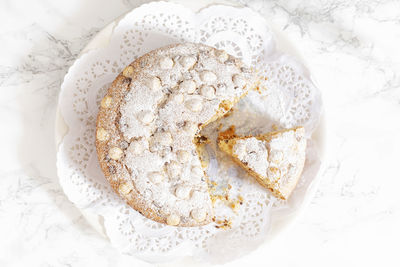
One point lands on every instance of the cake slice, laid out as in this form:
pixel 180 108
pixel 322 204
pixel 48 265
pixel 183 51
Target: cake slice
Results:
pixel 275 159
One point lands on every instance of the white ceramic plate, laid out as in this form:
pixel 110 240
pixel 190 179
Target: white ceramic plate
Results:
pixel 101 40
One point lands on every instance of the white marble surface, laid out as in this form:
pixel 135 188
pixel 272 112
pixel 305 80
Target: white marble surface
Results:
pixel 351 47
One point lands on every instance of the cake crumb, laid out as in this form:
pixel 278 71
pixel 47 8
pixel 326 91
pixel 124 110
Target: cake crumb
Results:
pixel 223 224
pixel 228 133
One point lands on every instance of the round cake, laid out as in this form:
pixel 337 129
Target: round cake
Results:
pixel 148 122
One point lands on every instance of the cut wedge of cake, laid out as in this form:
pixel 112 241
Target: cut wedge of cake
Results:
pixel 275 159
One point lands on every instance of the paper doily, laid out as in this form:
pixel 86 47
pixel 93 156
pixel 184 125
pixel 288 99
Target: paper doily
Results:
pixel 291 99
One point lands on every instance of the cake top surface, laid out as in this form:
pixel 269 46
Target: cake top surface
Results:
pixel 172 92
pixel 254 152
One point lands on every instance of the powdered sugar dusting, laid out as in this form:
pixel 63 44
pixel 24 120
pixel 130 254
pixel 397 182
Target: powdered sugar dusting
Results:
pixel 254 153
pixel 165 98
